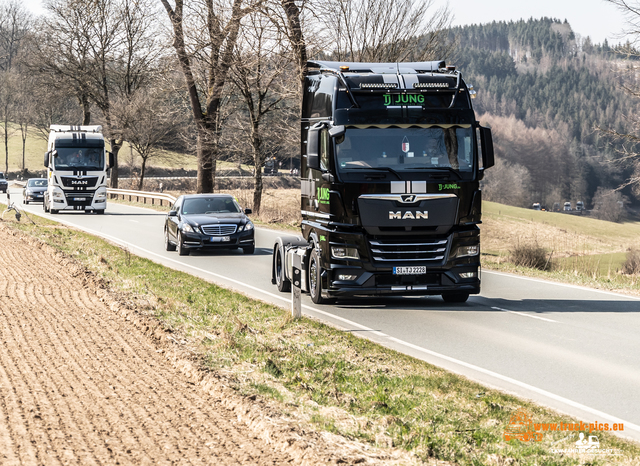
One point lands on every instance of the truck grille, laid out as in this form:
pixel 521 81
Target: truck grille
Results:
pixel 79 183
pixel 389 250
pixel 219 230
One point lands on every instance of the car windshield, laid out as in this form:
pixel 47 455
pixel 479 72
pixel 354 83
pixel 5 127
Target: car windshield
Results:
pixel 406 149
pixel 79 158
pixel 37 183
pixel 210 205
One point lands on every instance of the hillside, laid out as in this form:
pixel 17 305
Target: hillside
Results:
pixel 545 91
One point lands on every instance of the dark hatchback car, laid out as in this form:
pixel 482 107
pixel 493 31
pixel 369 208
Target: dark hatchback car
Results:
pixel 208 221
pixel 4 184
pixel 34 190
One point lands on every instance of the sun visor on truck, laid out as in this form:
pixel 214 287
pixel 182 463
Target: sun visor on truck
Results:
pixel 79 142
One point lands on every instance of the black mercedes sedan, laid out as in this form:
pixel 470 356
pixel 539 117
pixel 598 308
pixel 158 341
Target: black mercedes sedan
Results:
pixel 208 221
pixel 34 190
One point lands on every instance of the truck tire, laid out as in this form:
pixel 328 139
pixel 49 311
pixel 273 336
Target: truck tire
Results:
pixel 53 211
pixel 182 251
pixel 455 297
pixel 100 211
pixel 282 282
pixel 315 279
pixel 45 207
pixel 167 244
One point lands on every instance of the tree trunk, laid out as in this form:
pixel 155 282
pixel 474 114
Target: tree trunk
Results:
pixel 258 161
pixel 142 168
pixel 115 148
pixel 296 36
pixel 205 156
pixel 86 110
pixel 6 142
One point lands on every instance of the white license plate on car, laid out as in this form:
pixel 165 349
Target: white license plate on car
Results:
pixel 220 239
pixel 416 270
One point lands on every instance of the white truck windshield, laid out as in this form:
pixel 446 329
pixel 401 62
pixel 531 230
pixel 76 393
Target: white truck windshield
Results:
pixel 79 158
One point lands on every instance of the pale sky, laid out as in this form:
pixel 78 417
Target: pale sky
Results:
pixel 595 18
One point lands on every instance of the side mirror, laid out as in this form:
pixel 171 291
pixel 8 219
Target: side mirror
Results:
pixel 313 148
pixel 486 142
pixel 46 159
pixel 247 211
pixel 112 160
pixel 336 131
pixel 172 213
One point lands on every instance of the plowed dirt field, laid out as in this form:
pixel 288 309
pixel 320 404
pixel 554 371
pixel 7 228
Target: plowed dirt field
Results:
pixel 82 382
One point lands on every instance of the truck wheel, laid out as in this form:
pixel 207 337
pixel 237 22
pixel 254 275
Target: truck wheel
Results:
pixel 45 207
pixel 53 211
pixel 455 297
pixel 100 211
pixel 315 279
pixel 282 283
pixel 167 244
pixel 181 249
pixel 26 202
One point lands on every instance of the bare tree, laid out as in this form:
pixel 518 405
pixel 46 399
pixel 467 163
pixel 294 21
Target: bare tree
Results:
pixel 205 45
pixel 147 122
pixel 15 24
pixel 260 75
pixel 609 204
pixel 103 50
pixel 384 31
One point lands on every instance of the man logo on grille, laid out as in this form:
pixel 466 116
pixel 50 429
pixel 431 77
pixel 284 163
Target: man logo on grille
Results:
pixel 408 198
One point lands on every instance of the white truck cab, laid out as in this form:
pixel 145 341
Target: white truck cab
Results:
pixel 77 165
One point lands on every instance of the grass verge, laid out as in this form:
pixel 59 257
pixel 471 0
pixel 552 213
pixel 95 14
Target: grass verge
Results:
pixel 337 381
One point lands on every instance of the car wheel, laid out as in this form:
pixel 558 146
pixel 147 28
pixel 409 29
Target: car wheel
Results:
pixel 250 250
pixel 315 279
pixel 181 249
pixel 455 297
pixel 282 283
pixel 167 244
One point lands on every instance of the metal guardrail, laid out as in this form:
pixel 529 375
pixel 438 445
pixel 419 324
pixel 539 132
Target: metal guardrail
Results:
pixel 144 195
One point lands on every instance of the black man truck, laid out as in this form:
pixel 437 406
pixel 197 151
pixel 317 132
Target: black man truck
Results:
pixel 391 159
pixel 77 165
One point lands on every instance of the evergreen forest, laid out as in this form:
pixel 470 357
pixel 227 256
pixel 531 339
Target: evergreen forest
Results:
pixel 551 98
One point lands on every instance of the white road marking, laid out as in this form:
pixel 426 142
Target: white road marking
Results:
pixel 523 314
pixel 575 287
pixel 553 396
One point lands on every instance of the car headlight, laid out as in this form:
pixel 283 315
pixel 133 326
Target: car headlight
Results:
pixel 465 251
pixel 342 252
pixel 187 228
pixel 248 226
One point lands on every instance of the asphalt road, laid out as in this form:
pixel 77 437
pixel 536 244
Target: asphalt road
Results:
pixel 571 348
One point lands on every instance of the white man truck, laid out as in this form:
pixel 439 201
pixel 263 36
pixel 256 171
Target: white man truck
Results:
pixel 77 165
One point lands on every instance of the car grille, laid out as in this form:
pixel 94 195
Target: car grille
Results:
pixel 389 250
pixel 219 230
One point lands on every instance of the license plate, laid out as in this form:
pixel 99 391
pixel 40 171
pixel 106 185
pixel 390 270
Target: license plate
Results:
pixel 416 270
pixel 220 239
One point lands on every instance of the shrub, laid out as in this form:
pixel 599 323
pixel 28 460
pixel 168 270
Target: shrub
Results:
pixel 632 265
pixel 531 255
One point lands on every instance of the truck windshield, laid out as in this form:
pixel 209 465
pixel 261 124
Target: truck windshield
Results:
pixel 436 148
pixel 79 158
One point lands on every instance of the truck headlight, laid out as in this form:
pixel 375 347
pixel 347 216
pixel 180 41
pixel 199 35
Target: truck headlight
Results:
pixel 465 251
pixel 342 252
pixel 101 195
pixel 58 194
